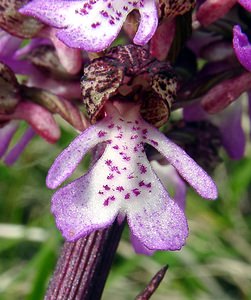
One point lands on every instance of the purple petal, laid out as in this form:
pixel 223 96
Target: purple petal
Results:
pixel 246 4
pixel 138 247
pixel 8 44
pixel 15 152
pixel 78 211
pixel 34 43
pixel 71 59
pixel 148 23
pixel 194 112
pixel 93 26
pixel 6 134
pixel 225 92
pixel 233 136
pixel 68 160
pixel 170 178
pixel 184 164
pixel 242 47
pixel 162 39
pixel 156 220
pixel 39 118
pixel 212 10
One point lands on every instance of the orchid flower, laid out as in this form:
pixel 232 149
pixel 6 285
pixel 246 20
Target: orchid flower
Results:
pixel 122 183
pixel 93 25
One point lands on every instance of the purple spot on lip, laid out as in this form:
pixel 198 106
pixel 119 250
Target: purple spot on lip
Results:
pixel 106 187
pixel 133 137
pixel 127 196
pixel 120 188
pixel 95 25
pixel 116 169
pixel 154 142
pixel 142 169
pixel 141 183
pixel 101 133
pixel 136 192
pixel 125 157
pixel 110 176
pixel 107 200
pixel 108 162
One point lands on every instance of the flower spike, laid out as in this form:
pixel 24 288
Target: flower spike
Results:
pixel 122 182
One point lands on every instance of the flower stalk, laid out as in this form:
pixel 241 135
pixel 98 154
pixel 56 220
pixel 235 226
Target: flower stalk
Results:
pixel 84 265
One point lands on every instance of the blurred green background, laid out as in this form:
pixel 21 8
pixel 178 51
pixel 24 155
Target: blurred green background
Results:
pixel 215 263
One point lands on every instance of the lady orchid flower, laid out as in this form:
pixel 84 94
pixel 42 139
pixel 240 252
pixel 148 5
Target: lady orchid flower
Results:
pixel 122 183
pixel 93 25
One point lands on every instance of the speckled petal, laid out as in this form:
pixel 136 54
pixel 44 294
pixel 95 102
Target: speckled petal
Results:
pixel 148 23
pixel 78 212
pixel 157 220
pixel 93 25
pixel 242 47
pixel 68 160
pixel 184 164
